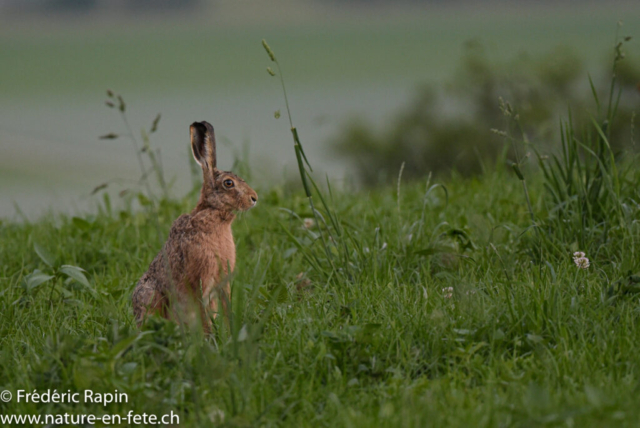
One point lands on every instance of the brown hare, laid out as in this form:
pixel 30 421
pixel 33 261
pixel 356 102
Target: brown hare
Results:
pixel 190 274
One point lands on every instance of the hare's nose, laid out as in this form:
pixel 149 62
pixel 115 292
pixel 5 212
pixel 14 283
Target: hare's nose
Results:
pixel 254 199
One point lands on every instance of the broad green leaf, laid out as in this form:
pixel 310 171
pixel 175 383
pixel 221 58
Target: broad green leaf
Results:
pixel 63 291
pixel 35 279
pixel 44 255
pixel 78 274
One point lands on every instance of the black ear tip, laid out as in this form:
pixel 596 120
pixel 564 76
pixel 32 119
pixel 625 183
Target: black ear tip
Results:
pixel 208 126
pixel 202 127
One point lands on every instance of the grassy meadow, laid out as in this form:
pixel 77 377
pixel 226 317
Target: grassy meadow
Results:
pixel 505 298
pixel 444 317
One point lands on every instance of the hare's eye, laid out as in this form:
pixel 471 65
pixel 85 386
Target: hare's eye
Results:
pixel 228 183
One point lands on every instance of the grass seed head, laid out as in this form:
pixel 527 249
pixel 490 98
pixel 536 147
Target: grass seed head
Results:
pixel 269 51
pixel 121 105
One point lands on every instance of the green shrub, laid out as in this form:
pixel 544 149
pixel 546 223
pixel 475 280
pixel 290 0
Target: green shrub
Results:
pixel 451 128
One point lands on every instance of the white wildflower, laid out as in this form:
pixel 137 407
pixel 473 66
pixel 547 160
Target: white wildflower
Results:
pixel 581 260
pixel 309 223
pixel 448 292
pixel 216 415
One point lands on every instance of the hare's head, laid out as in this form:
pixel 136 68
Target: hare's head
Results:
pixel 221 190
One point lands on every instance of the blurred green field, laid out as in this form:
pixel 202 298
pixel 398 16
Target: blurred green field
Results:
pixel 357 62
pixel 182 56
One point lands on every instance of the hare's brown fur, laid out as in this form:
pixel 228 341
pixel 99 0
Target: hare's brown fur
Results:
pixel 190 274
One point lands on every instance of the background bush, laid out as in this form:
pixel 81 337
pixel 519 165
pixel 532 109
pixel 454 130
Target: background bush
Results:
pixel 450 126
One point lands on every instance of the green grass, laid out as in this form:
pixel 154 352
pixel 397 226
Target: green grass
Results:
pixel 519 343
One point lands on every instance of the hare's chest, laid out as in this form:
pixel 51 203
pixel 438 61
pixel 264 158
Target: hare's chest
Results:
pixel 221 249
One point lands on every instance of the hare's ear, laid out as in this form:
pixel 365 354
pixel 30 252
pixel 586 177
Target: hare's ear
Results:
pixel 203 144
